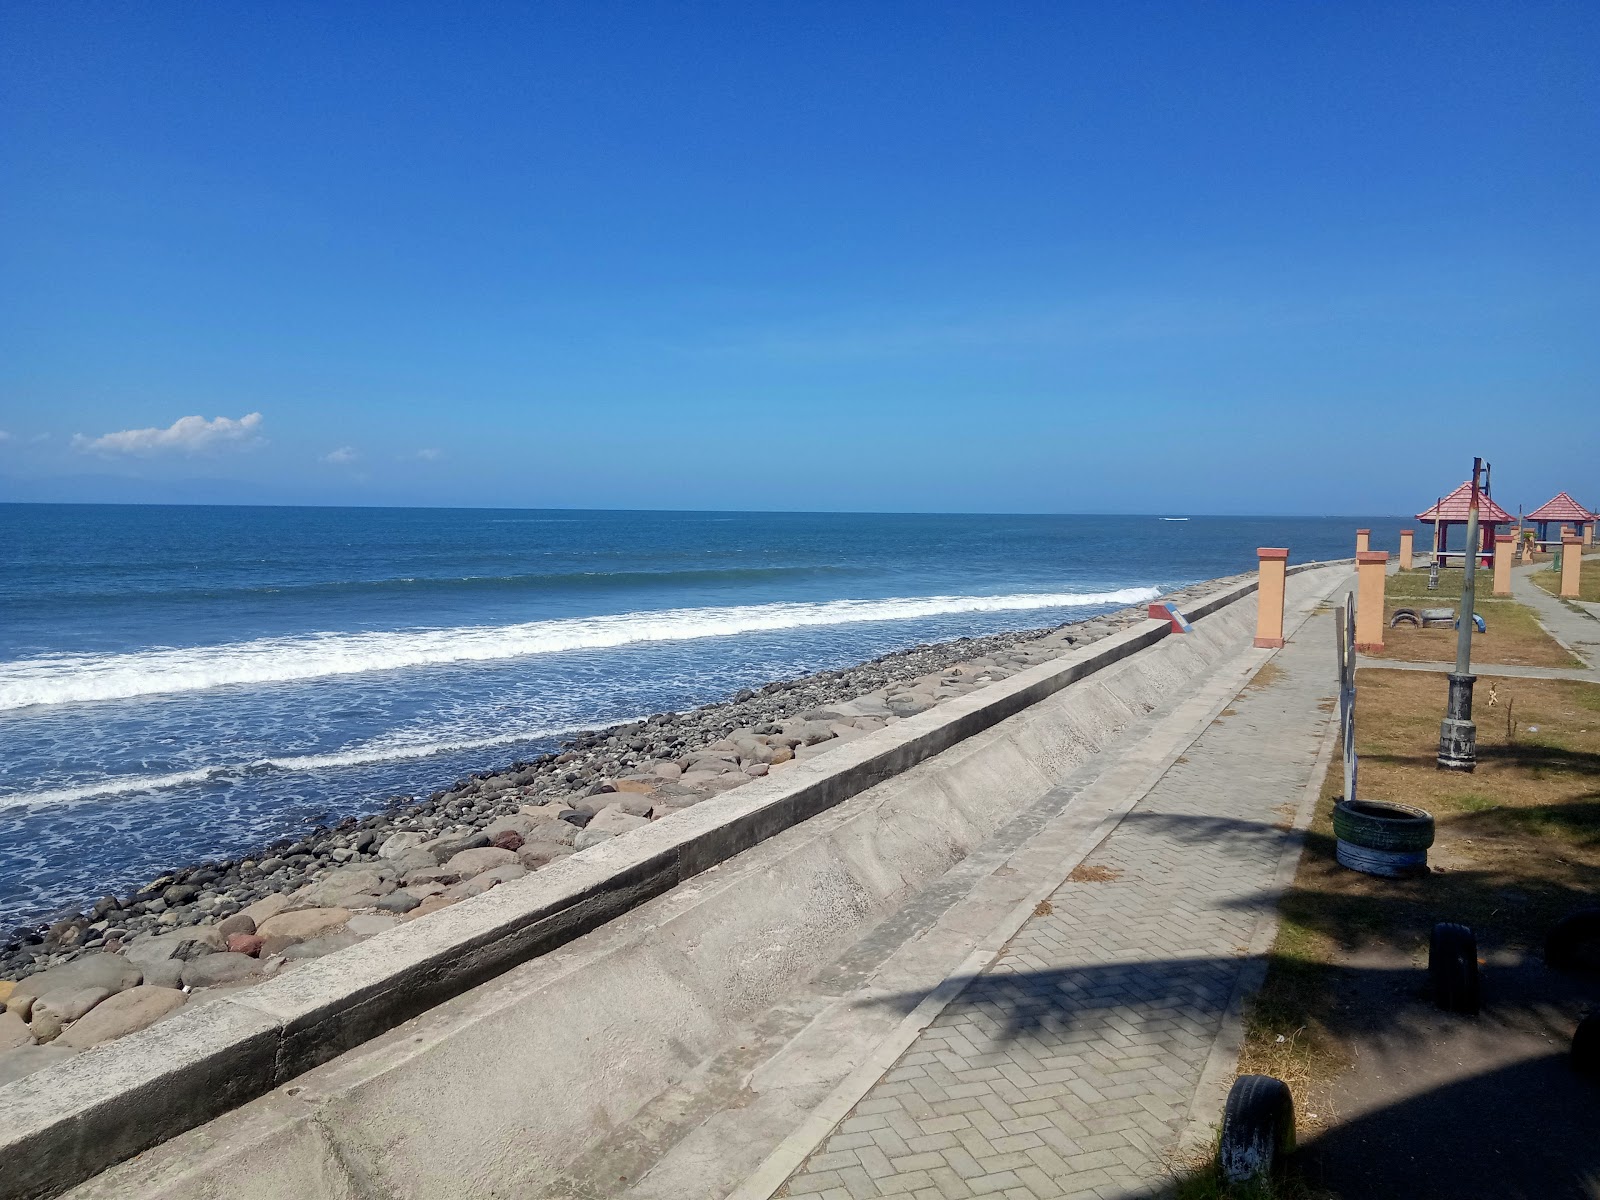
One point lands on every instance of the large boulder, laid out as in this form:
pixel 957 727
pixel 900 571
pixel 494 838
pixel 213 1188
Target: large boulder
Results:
pixel 472 862
pixel 220 968
pixel 54 1011
pixel 185 944
pixel 108 971
pixel 13 1032
pixel 285 929
pixel 266 908
pixel 398 845
pixel 339 888
pixel 318 946
pixel 127 1012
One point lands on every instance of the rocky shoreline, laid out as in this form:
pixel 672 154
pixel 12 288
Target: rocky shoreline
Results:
pixel 200 930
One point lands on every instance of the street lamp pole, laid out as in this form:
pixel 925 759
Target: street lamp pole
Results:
pixel 1458 736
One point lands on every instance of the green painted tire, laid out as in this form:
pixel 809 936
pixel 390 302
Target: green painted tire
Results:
pixel 1378 825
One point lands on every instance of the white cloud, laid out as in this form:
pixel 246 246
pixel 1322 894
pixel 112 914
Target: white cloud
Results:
pixel 186 435
pixel 430 454
pixel 344 454
pixel 4 436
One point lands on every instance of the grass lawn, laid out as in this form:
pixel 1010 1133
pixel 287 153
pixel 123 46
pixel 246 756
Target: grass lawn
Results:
pixel 1514 637
pixel 1588 579
pixel 1518 845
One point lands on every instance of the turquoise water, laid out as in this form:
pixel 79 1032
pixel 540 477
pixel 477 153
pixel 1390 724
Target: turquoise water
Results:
pixel 182 683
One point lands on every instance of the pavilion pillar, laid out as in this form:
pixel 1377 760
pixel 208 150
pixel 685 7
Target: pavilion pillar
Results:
pixel 1588 534
pixel 1571 565
pixel 1407 541
pixel 1273 570
pixel 1372 567
pixel 1363 540
pixel 1504 547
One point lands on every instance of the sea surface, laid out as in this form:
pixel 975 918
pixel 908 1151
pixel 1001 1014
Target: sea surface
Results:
pixel 184 683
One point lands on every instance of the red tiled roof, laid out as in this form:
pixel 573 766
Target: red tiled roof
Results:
pixel 1454 508
pixel 1562 508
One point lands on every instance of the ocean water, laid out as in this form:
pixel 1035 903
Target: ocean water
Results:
pixel 183 683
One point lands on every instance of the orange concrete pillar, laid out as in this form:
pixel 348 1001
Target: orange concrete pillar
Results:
pixel 1504 547
pixel 1571 564
pixel 1273 566
pixel 1372 567
pixel 1407 542
pixel 1588 534
pixel 1363 540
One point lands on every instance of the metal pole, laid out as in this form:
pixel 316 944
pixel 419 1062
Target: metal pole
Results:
pixel 1458 737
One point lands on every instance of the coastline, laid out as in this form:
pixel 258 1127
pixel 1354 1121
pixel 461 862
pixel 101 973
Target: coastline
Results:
pixel 400 862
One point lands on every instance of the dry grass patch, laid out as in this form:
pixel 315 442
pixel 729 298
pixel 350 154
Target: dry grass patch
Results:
pixel 1518 845
pixel 1093 873
pixel 1514 636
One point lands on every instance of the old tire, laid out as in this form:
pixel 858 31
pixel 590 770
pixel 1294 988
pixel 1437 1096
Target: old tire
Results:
pixel 1586 1046
pixel 1257 1128
pixel 1404 616
pixel 1453 968
pixel 1386 864
pixel 1378 825
pixel 1573 943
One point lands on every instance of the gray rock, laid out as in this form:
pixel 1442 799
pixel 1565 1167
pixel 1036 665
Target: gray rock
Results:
pixel 238 923
pixel 485 880
pixel 445 848
pixel 127 1012
pixel 13 1032
pixel 339 888
pixel 181 946
pixel 107 971
pixel 593 837
pixel 54 1011
pixel 318 946
pixel 398 902
pixel 367 924
pixel 25 1060
pixel 220 968
pixel 484 858
pixel 398 845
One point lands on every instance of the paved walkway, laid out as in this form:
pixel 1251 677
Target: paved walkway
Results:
pixel 1072 1065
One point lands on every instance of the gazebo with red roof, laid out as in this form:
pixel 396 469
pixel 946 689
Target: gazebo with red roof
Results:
pixel 1452 510
pixel 1563 509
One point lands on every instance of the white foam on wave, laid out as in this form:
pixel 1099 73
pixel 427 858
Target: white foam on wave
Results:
pixel 372 752
pixel 73 679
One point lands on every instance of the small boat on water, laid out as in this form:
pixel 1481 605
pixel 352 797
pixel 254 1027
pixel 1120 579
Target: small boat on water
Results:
pixel 1174 518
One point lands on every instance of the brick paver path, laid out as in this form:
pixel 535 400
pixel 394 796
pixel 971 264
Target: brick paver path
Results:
pixel 1068 1067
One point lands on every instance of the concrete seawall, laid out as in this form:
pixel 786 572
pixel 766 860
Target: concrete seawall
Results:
pixel 709 948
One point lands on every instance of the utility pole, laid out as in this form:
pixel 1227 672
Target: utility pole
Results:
pixel 1458 736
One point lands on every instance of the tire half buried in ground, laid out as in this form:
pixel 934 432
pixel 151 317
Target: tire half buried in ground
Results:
pixel 1453 968
pixel 1257 1128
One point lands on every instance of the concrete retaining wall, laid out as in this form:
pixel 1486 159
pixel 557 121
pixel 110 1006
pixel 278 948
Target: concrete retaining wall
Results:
pixel 668 988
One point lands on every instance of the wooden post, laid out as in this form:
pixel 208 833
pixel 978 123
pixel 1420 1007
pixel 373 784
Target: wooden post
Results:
pixel 1504 547
pixel 1571 564
pixel 1273 568
pixel 1372 568
pixel 1407 543
pixel 1363 540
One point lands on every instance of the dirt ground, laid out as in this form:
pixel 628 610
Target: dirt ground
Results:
pixel 1513 635
pixel 1397 1099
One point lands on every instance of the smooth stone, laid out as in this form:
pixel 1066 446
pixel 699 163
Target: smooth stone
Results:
pixel 246 943
pixel 613 820
pixel 445 848
pixel 303 923
pixel 168 973
pixel 338 888
pixel 54 1011
pixel 318 946
pixel 398 845
pixel 398 902
pixel 431 905
pixel 518 823
pixel 238 923
pixel 534 855
pixel 14 1032
pixel 485 880
pixel 108 971
pixel 219 968
pixel 593 837
pixel 266 908
pixel 432 874
pixel 25 1060
pixel 126 1012
pixel 486 858
pixel 633 806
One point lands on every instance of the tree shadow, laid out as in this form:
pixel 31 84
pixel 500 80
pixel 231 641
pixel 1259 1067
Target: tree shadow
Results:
pixel 1483 1106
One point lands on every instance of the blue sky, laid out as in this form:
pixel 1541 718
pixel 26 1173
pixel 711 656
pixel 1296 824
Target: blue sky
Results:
pixel 1286 257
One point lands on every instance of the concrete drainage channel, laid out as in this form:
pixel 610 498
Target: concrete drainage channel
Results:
pixel 659 980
